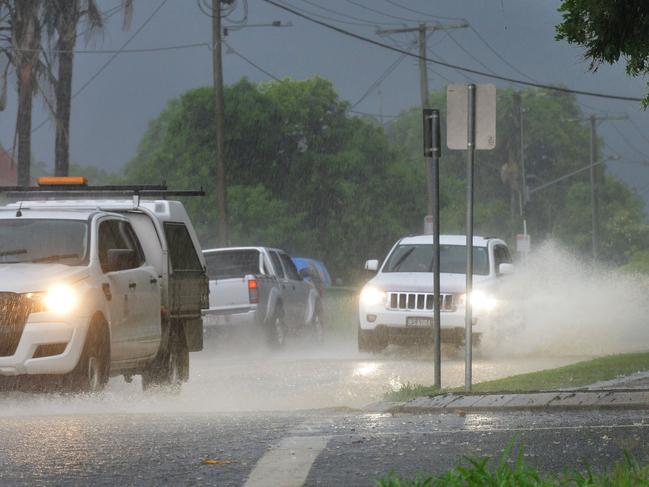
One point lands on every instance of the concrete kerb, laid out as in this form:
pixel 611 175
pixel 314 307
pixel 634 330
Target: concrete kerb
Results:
pixel 541 400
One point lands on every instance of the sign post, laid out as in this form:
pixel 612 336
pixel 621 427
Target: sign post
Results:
pixel 433 151
pixel 471 125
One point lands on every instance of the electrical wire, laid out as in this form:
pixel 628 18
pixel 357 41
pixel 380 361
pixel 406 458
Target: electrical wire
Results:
pixel 109 61
pixel 419 12
pixel 275 78
pixel 642 134
pixel 453 66
pixel 359 21
pixel 626 140
pixel 121 51
pixel 380 12
pixel 468 53
pixel 250 62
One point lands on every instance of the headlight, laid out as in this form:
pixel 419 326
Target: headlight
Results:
pixel 481 301
pixel 371 296
pixel 60 299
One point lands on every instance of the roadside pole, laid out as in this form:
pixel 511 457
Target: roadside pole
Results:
pixel 470 126
pixel 468 315
pixel 432 152
pixel 219 125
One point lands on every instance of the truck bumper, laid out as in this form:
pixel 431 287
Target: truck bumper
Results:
pixel 225 318
pixel 46 347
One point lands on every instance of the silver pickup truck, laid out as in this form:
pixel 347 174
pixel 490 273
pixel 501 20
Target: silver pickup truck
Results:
pixel 260 286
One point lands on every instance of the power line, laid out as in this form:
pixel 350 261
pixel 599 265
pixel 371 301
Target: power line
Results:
pixel 275 78
pixel 468 53
pixel 122 51
pixel 109 61
pixel 419 12
pixel 380 12
pixel 497 54
pixel 642 134
pixel 628 143
pixel 380 79
pixel 453 66
pixel 250 62
pixel 360 21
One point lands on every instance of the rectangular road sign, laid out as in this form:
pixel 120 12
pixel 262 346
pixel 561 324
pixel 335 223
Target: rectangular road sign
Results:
pixel 457 101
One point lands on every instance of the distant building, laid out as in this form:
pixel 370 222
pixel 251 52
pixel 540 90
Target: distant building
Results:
pixel 8 169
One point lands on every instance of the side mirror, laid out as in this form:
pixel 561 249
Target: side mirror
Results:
pixel 505 269
pixel 372 265
pixel 306 273
pixel 120 259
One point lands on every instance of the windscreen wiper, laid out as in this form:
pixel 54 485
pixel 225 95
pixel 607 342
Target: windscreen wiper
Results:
pixel 54 258
pixel 405 255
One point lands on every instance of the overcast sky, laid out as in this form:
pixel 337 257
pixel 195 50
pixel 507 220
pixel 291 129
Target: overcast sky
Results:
pixel 110 116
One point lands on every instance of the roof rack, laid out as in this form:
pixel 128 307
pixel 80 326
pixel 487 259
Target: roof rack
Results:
pixel 68 191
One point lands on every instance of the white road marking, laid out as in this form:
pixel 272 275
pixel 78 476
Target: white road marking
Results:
pixel 289 463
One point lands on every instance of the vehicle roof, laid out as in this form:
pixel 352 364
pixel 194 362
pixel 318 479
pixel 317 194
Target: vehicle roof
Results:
pixel 164 210
pixel 446 240
pixel 226 249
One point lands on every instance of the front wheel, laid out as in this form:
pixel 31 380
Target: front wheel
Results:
pixel 92 370
pixel 171 367
pixel 368 341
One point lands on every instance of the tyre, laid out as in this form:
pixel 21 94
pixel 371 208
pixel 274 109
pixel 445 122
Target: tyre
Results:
pixel 171 368
pixel 276 329
pixel 368 341
pixel 93 369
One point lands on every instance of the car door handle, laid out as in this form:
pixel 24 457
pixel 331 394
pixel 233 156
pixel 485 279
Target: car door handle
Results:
pixel 132 285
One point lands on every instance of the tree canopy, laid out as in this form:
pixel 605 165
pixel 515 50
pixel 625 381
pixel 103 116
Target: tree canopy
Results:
pixel 305 175
pixel 608 30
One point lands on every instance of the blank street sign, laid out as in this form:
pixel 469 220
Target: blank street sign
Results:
pixel 457 100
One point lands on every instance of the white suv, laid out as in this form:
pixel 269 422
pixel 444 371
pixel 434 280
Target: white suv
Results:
pixel 397 304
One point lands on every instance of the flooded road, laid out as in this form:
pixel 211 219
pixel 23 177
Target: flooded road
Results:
pixel 236 377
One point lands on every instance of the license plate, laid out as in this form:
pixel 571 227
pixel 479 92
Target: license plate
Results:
pixel 419 321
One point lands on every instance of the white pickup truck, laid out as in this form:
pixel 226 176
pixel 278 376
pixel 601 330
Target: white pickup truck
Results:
pixel 99 287
pixel 260 286
pixel 396 305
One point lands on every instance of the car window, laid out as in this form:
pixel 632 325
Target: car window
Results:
pixel 182 252
pixel 277 264
pixel 419 258
pixel 118 235
pixel 501 255
pixel 289 266
pixel 229 264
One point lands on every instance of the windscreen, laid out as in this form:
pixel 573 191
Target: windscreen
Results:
pixel 419 258
pixel 42 241
pixel 232 263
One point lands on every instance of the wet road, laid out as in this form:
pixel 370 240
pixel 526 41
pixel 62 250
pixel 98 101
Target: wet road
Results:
pixel 325 448
pixel 244 403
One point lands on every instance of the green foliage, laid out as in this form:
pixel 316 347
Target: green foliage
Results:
pixel 301 173
pixel 510 471
pixel 306 176
pixel 608 30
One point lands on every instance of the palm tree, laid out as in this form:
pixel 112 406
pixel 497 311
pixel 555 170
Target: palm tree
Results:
pixel 20 29
pixel 62 19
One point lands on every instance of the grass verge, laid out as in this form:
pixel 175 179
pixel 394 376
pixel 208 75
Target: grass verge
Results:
pixel 515 472
pixel 574 375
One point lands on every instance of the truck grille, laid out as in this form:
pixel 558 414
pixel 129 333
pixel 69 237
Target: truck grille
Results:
pixel 418 301
pixel 14 311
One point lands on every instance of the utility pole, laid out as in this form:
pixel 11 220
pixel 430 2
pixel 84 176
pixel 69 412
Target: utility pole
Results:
pixel 219 125
pixel 422 29
pixel 595 179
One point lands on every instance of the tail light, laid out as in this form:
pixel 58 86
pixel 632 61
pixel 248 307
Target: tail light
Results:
pixel 253 291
